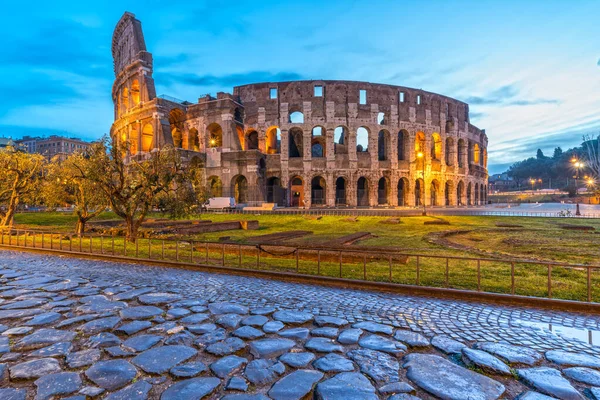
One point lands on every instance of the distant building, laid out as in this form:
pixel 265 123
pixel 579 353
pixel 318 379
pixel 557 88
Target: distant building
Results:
pixel 5 142
pixel 53 146
pixel 501 182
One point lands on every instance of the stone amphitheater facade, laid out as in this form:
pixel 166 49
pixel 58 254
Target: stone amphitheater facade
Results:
pixel 306 143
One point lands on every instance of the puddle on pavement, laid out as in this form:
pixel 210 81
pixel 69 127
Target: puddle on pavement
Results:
pixel 582 334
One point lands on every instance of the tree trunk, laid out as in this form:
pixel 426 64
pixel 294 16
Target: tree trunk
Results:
pixel 131 230
pixel 80 227
pixel 11 208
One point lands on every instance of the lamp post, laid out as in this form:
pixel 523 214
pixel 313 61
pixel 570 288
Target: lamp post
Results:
pixel 421 156
pixel 577 164
pixel 532 181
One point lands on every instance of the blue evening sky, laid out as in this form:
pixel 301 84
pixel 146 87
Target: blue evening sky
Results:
pixel 530 70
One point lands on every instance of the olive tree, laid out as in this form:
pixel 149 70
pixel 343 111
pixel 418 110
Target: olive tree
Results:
pixel 131 184
pixel 66 185
pixel 20 175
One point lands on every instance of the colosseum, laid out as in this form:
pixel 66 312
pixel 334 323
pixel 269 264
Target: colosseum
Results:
pixel 318 143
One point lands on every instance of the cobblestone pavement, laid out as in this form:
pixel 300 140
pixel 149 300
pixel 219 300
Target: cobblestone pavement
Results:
pixel 79 329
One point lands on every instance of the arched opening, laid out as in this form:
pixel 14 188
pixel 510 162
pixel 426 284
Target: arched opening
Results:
pixel 273 140
pixel 403 192
pixel 362 192
pixel 215 186
pixel 215 135
pixel 436 147
pixel 382 191
pixel 124 100
pixel 419 144
pixel 447 193
pixel 275 193
pixel 317 149
pixel 296 118
pixel 295 143
pixel 317 131
pixel 476 154
pixel 252 140
pixel 383 144
pixel 238 115
pixel 381 118
pixel 469 194
pixel 318 192
pixel 133 141
pixel 403 145
pixel 147 137
pixel 449 151
pixel 481 195
pixel 194 140
pixel 362 140
pixel 434 193
pixel 419 192
pixel 460 193
pixel 485 193
pixel 485 158
pixel 340 140
pixel 476 194
pixel 340 191
pixel 297 191
pixel 240 189
pixel 135 92
pixel 176 118
pixel 461 153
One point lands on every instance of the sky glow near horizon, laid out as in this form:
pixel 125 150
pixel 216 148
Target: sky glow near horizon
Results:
pixel 530 72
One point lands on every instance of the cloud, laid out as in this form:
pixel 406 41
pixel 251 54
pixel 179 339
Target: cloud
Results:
pixel 226 81
pixel 506 96
pixel 598 63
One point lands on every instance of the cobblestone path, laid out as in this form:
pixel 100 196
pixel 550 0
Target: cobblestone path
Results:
pixel 79 329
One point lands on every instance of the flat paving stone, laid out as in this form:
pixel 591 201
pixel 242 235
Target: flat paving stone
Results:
pixel 229 320
pixel 248 332
pixel 202 328
pixel 59 349
pixel 293 317
pixel 324 320
pixel 334 363
pixel 228 346
pixel 83 358
pixel 255 320
pixel 161 359
pixel 449 381
pixel 91 391
pixel 261 372
pixel 328 332
pixel 347 386
pixel 57 384
pixel 227 365
pixel 133 327
pixel 381 367
pixel 17 331
pixel 380 343
pixel 566 358
pixel 15 314
pixel 13 394
pixel 140 312
pixel 104 339
pixel 142 342
pixel 227 308
pixel 237 383
pixel 158 298
pixel 323 345
pixel 412 339
pixel 529 395
pixel 177 312
pixel 135 391
pixel 510 353
pixel 447 345
pixel 99 325
pixel 485 361
pixel 244 396
pixel 44 319
pixel 34 368
pixel 269 348
pixel 350 336
pixel 374 327
pixel 296 385
pixel 295 333
pixel 194 319
pixel 273 326
pixel 131 294
pixel 42 338
pixel 549 381
pixel 297 360
pixel 182 338
pixel 396 387
pixel 191 389
pixel 583 375
pixel 112 374
pixel 211 337
pixel 263 310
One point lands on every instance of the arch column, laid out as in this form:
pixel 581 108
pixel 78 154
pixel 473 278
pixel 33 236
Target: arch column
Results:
pixel 393 191
pixel 285 145
pixel 373 191
pixel 351 187
pixel 330 190
pixel 306 182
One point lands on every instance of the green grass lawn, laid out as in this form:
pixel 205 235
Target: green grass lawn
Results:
pixel 539 239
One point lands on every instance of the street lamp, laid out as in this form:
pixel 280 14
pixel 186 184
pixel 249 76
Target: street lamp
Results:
pixel 577 164
pixel 421 156
pixel 532 181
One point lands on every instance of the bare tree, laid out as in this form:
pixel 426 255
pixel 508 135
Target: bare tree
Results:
pixel 131 184
pixel 66 185
pixel 20 174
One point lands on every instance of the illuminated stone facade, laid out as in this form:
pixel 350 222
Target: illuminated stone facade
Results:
pixel 306 143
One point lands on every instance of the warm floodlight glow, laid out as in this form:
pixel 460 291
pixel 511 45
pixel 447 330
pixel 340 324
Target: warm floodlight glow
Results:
pixel 419 155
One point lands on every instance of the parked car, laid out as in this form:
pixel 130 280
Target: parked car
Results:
pixel 220 203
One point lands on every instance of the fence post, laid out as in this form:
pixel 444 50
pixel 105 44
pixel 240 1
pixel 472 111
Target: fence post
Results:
pixel 137 247
pixel 340 264
pixel 589 284
pixel 479 275
pixel 418 272
pixel 112 243
pixel 191 251
pixel 101 244
pixel 447 272
pixel 297 261
pixel 390 262
pixel 42 240
pixel 206 245
pixel 318 262
pixel 149 248
pixel 364 267
pixel 125 246
pixel 223 255
pixel 51 242
pixel 163 249
pixel 549 281
pixel 80 244
pixel 177 250
pixel 258 256
pixel 512 277
pixel 240 256
pixel 70 242
pixel 59 240
pixel 91 239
